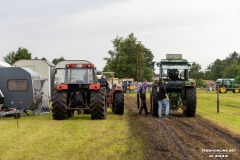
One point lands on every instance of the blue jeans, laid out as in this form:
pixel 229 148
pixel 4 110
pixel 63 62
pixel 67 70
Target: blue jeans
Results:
pixel 160 103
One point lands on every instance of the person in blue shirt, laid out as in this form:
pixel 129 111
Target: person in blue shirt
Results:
pixel 103 81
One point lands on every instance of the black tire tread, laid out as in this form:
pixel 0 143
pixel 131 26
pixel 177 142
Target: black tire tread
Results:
pixel 191 102
pixel 154 101
pixel 98 104
pixel 59 105
pixel 118 103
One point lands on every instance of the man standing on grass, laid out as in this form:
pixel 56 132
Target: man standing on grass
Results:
pixel 142 92
pixel 162 99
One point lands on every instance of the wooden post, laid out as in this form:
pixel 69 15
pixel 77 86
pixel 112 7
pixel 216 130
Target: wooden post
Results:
pixel 138 61
pixel 218 97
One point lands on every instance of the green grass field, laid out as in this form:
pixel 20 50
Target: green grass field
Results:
pixel 229 109
pixel 40 137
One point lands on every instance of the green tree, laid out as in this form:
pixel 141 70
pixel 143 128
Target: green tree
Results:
pixel 123 58
pixel 57 60
pixel 237 79
pixel 9 58
pixel 233 56
pixel 226 68
pixel 216 69
pixel 232 69
pixel 21 53
pixel 195 72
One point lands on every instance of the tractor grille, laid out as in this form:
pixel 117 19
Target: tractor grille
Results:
pixel 174 85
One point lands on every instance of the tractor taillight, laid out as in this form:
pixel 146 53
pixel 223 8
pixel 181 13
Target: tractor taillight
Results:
pixel 71 66
pixel 79 66
pixel 87 65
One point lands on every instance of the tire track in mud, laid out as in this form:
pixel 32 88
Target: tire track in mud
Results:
pixel 179 137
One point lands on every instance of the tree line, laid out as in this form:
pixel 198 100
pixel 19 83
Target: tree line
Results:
pixel 23 53
pixel 226 68
pixel 128 53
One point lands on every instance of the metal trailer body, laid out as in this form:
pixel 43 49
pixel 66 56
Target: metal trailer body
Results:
pixel 1 99
pixel 22 89
pixel 42 67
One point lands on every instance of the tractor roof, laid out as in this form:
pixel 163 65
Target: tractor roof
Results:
pixel 182 61
pixel 174 58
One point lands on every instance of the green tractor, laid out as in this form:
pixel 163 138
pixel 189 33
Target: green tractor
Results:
pixel 228 84
pixel 181 90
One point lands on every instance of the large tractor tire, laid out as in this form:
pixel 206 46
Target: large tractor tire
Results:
pixel 154 101
pixel 98 105
pixel 59 105
pixel 138 100
pixel 235 90
pixel 118 103
pixel 222 89
pixel 191 102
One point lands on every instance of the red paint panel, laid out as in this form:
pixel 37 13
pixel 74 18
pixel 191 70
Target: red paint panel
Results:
pixel 94 86
pixel 62 86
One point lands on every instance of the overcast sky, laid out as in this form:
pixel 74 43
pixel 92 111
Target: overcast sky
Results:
pixel 201 30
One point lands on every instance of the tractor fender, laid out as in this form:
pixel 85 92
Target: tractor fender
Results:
pixel 94 86
pixel 118 87
pixel 62 87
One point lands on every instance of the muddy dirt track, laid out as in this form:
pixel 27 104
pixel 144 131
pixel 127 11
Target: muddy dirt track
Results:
pixel 181 137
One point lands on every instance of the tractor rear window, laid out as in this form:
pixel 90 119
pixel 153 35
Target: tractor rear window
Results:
pixel 17 85
pixel 80 75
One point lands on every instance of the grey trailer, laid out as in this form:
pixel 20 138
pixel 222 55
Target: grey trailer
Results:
pixel 22 89
pixel 1 99
pixel 44 68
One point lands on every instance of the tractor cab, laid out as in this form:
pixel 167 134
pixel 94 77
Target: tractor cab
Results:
pixel 75 74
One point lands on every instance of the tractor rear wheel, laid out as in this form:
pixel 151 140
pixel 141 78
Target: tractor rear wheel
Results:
pixel 222 89
pixel 59 105
pixel 154 101
pixel 191 102
pixel 118 103
pixel 98 106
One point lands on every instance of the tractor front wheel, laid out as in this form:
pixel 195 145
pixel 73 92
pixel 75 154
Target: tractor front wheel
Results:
pixel 59 105
pixel 235 90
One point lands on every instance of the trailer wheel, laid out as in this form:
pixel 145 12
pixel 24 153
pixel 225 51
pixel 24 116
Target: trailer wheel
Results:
pixel 59 105
pixel 154 101
pixel 191 102
pixel 98 105
pixel 118 103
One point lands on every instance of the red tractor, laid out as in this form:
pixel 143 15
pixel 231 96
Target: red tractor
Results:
pixel 115 98
pixel 76 89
